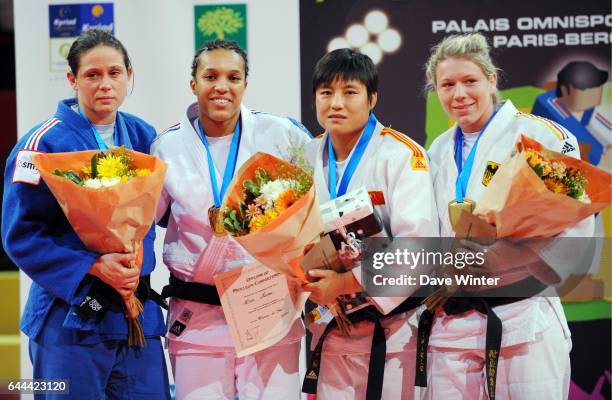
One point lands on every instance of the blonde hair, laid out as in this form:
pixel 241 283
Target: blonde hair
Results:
pixel 472 47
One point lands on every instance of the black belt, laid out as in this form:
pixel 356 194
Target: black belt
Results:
pixel 102 296
pixel 145 292
pixel 378 350
pixel 192 291
pixel 459 305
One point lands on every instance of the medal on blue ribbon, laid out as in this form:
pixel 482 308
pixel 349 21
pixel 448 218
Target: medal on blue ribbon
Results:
pixel 215 215
pixel 461 204
pixel 362 144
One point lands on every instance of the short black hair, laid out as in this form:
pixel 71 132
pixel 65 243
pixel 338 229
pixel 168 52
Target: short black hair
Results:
pixel 88 40
pixel 581 75
pixel 345 64
pixel 220 44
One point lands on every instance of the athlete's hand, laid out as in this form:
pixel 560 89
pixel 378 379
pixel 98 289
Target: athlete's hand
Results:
pixel 330 284
pixel 114 270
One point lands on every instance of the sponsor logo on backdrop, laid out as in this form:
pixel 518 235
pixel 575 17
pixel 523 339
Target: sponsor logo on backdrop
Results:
pixel 221 21
pixel 373 36
pixel 67 21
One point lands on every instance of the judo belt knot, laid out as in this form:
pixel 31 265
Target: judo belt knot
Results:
pixel 378 350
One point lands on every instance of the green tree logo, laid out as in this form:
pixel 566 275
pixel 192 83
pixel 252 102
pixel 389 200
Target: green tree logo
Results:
pixel 220 22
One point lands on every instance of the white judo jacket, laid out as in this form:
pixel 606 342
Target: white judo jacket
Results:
pixel 524 319
pixel 188 195
pixel 395 171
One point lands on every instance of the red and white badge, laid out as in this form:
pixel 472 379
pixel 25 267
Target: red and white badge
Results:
pixel 25 170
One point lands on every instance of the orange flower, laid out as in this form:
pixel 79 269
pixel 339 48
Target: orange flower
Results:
pixel 285 200
pixel 555 186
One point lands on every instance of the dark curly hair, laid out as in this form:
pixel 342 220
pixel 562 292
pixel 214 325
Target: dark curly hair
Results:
pixel 220 44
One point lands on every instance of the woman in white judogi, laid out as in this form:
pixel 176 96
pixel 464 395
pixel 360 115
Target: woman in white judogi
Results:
pixel 395 171
pixel 215 129
pixel 534 358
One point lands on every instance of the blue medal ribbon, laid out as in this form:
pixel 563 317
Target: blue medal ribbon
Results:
pixel 464 171
pixel 586 117
pixel 230 164
pixel 352 163
pixel 99 140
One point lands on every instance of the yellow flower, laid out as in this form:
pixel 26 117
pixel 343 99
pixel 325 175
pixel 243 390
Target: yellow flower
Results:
pixel 546 168
pixel 257 223
pixel 555 186
pixel 285 200
pixel 86 170
pixel 262 220
pixel 271 214
pixel 538 162
pixel 142 171
pixel 110 166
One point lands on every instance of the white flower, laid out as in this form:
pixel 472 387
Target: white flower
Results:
pixel 271 190
pixel 92 183
pixel 108 182
pixel 102 182
pixel 584 198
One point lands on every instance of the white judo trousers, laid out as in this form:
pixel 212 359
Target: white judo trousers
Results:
pixel 534 362
pixel 203 359
pixel 268 374
pixel 395 171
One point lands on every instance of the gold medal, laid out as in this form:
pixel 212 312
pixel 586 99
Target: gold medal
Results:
pixel 455 209
pixel 215 216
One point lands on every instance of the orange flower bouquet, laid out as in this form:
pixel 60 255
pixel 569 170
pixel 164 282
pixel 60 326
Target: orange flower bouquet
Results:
pixel 538 192
pixel 271 209
pixel 110 199
pixel 535 193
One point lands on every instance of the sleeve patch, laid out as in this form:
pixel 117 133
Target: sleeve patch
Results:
pixel 25 170
pixel 419 164
pixel 377 197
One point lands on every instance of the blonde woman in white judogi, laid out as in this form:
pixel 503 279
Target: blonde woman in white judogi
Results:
pixel 534 360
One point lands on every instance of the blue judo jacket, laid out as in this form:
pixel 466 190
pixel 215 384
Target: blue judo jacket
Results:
pixel 39 239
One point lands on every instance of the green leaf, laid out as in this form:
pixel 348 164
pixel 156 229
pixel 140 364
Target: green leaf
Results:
pixel 73 176
pixel 94 166
pixel 262 177
pixel 252 187
pixel 539 169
